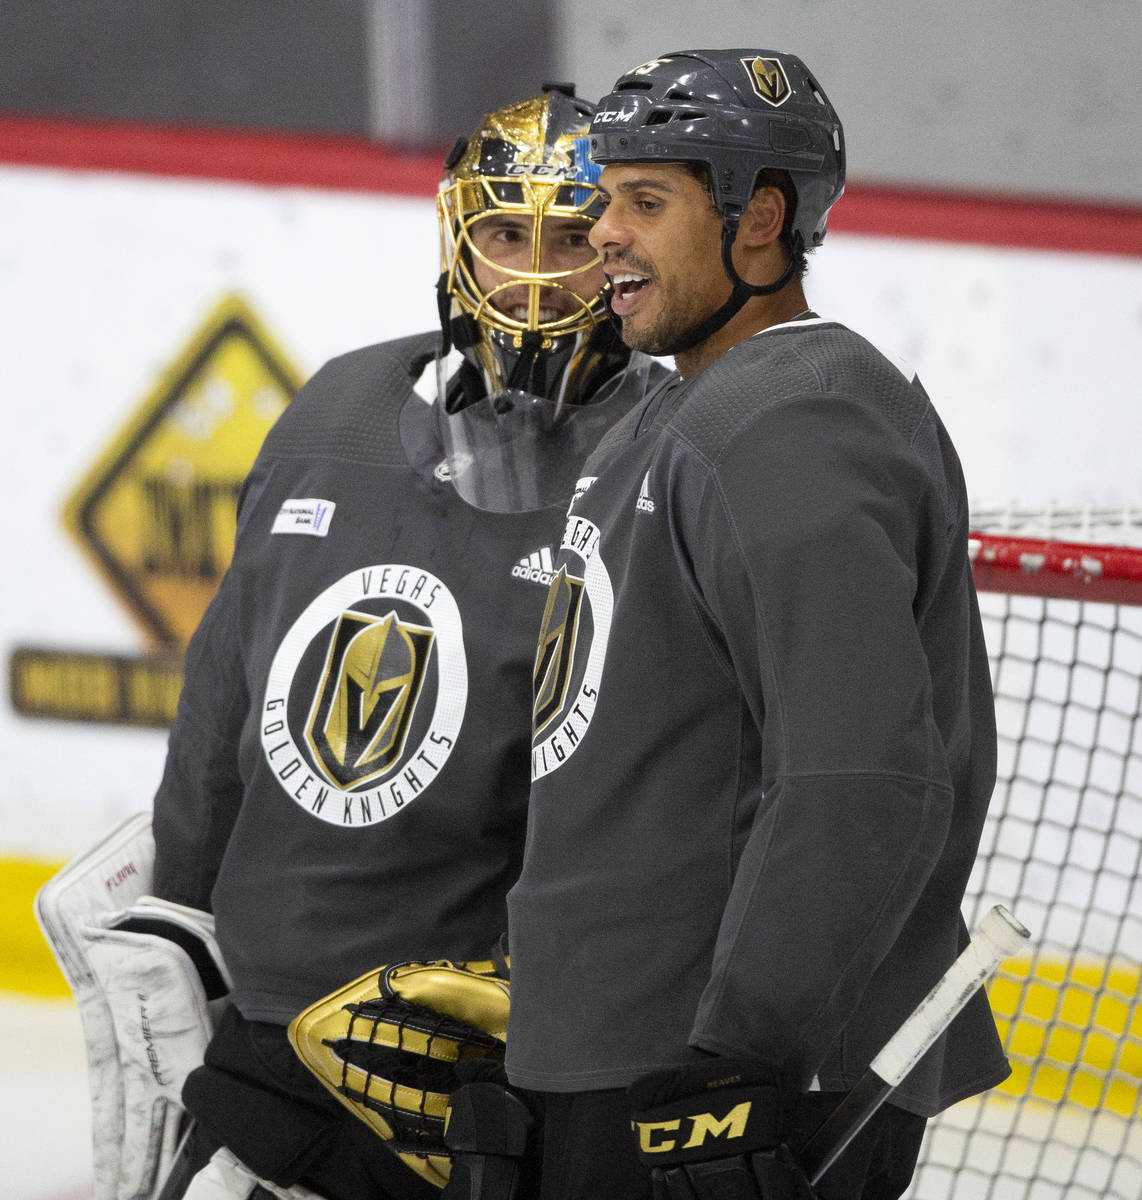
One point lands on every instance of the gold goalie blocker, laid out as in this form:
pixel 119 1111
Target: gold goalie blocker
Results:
pixel 386 1045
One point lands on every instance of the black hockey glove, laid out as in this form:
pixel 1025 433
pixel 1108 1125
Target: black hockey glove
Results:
pixel 489 1136
pixel 712 1131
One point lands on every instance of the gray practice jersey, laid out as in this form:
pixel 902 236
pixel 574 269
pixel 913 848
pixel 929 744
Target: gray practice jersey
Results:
pixel 764 736
pixel 347 776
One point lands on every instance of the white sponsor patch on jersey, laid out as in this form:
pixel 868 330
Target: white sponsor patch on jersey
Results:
pixel 536 567
pixel 309 516
pixel 366 695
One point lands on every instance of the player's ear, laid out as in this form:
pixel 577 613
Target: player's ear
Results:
pixel 763 218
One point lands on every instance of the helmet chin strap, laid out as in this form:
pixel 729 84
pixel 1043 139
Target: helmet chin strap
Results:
pixel 742 291
pixel 444 308
pixel 531 341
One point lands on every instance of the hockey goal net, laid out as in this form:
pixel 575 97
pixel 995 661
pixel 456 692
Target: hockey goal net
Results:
pixel 1061 596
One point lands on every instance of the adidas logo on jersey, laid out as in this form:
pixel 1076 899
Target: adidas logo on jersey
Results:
pixel 536 567
pixel 644 503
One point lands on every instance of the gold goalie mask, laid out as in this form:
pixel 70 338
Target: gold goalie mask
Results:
pixel 532 371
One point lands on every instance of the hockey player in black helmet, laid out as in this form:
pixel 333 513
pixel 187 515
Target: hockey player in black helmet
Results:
pixel 746 119
pixel 764 740
pixel 347 777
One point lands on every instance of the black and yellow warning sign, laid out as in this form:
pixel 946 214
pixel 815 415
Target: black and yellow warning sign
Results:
pixel 156 514
pixel 157 510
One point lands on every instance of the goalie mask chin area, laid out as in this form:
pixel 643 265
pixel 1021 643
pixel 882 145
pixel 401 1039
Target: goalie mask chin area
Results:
pixel 518 290
pixel 515 451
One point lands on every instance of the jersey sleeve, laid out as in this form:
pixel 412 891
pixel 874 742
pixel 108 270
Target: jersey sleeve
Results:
pixel 807 545
pixel 200 791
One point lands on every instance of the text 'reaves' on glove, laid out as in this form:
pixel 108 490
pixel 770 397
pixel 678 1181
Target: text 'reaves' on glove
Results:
pixel 387 1045
pixel 712 1131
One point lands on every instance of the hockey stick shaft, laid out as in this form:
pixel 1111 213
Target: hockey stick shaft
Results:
pixel 998 937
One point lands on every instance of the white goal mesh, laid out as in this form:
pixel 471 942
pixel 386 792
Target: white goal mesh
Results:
pixel 1061 595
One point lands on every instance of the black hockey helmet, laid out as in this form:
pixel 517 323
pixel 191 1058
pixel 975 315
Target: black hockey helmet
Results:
pixel 738 112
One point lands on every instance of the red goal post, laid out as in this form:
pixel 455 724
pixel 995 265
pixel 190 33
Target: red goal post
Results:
pixel 1024 566
pixel 1060 595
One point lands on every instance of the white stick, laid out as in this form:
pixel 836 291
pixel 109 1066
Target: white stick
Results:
pixel 998 937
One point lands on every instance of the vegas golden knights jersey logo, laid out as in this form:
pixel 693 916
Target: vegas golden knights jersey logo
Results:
pixel 769 80
pixel 556 647
pixel 374 671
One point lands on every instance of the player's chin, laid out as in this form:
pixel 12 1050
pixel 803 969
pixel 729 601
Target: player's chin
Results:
pixel 638 335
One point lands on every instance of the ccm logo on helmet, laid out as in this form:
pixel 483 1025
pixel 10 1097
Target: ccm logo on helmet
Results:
pixel 653 1139
pixel 539 169
pixel 613 116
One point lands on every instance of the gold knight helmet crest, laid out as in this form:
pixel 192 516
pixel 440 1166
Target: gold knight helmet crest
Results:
pixel 768 78
pixel 373 676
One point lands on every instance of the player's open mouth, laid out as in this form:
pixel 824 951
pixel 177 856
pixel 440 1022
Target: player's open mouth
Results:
pixel 628 292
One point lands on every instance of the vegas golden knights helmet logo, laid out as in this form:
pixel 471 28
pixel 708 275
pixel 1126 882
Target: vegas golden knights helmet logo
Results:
pixel 374 672
pixel 768 78
pixel 556 647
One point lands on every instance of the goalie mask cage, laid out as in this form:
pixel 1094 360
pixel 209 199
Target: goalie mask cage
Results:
pixel 1061 597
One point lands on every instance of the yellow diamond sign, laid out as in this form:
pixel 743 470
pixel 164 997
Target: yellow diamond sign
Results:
pixel 157 511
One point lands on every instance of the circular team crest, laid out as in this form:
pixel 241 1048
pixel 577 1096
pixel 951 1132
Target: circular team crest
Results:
pixel 366 695
pixel 572 648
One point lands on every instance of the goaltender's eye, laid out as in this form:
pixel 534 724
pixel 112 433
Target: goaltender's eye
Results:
pixel 506 234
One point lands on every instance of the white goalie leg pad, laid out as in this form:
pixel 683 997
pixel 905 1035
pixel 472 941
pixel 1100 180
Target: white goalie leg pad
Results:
pixel 159 1000
pixel 226 1177
pixel 112 874
pixel 143 972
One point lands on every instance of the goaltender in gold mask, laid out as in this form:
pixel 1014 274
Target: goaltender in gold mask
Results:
pixel 528 346
pixel 515 210
pixel 530 373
